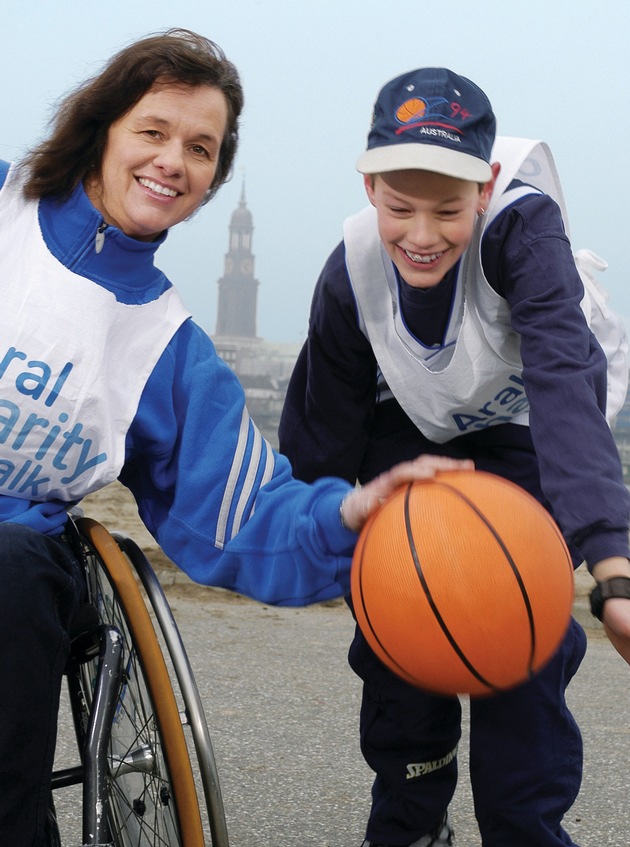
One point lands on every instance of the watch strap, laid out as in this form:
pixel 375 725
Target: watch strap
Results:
pixel 616 586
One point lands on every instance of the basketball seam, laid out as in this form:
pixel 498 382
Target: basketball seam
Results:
pixel 513 567
pixel 366 614
pixel 436 612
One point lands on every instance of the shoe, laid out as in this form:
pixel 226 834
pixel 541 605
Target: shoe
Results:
pixel 441 836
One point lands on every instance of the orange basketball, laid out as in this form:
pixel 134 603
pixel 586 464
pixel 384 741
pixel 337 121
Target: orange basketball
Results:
pixel 462 584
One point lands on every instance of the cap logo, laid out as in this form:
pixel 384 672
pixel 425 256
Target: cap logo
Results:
pixel 431 118
pixel 431 115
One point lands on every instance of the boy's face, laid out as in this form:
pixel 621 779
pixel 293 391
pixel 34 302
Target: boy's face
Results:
pixel 426 220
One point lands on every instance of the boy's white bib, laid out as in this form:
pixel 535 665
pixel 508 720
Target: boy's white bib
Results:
pixel 73 365
pixel 473 381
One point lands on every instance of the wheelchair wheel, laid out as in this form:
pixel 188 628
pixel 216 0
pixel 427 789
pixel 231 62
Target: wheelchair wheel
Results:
pixel 193 709
pixel 151 794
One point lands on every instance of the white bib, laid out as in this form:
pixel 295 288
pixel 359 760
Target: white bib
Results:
pixel 465 385
pixel 73 365
pixel 473 381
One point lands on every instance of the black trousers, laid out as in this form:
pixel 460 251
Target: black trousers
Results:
pixel 40 590
pixel 525 753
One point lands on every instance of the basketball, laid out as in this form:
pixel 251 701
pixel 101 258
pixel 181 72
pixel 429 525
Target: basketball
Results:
pixel 462 584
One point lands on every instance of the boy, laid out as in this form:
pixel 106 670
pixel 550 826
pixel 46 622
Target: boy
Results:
pixel 449 321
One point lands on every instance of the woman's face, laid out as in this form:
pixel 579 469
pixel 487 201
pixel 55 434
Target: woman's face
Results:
pixel 160 159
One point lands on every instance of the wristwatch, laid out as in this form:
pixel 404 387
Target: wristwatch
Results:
pixel 616 586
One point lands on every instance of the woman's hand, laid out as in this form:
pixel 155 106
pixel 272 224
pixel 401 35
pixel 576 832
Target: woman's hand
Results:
pixel 359 504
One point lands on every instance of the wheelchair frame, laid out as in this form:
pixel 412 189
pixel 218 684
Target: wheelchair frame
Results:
pixel 135 760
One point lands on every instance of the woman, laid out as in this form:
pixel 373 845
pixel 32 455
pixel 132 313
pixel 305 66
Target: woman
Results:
pixel 103 375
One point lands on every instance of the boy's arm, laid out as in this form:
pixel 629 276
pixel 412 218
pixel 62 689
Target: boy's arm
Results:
pixel 330 399
pixel 565 379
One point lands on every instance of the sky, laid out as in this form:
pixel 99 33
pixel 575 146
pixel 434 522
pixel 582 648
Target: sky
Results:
pixel 556 70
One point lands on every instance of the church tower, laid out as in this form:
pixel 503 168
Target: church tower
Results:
pixel 238 289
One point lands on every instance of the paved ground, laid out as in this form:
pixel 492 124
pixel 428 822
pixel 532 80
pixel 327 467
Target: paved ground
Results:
pixel 282 706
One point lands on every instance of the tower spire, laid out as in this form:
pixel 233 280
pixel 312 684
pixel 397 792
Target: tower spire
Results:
pixel 238 289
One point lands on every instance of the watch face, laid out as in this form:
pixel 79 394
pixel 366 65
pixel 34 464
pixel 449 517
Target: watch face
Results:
pixel 246 265
pixel 229 265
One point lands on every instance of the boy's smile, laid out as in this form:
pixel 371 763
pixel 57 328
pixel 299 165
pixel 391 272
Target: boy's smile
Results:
pixel 426 220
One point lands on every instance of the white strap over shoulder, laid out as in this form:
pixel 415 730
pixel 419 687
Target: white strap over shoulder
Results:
pixel 531 161
pixel 607 327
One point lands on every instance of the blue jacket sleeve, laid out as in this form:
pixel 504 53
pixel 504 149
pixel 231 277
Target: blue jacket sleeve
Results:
pixel 219 501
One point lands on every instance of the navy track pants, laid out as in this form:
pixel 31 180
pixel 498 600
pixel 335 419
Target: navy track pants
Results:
pixel 525 753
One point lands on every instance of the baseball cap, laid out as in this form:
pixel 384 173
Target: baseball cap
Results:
pixel 431 119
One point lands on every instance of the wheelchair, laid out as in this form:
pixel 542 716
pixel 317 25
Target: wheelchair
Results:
pixel 136 738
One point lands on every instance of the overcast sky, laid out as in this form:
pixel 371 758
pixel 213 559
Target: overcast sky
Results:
pixel 553 69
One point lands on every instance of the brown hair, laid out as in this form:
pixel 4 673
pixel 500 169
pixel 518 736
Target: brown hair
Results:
pixel 75 148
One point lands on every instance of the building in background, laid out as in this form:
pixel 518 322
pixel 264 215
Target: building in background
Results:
pixel 262 367
pixel 238 287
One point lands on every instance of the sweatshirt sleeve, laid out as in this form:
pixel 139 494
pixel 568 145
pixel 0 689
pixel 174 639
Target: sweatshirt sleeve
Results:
pixel 528 260
pixel 219 501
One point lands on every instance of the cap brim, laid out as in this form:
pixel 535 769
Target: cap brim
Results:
pixel 424 157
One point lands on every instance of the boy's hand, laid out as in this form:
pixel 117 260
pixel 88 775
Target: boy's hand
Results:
pixel 360 503
pixel 617 625
pixel 616 617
